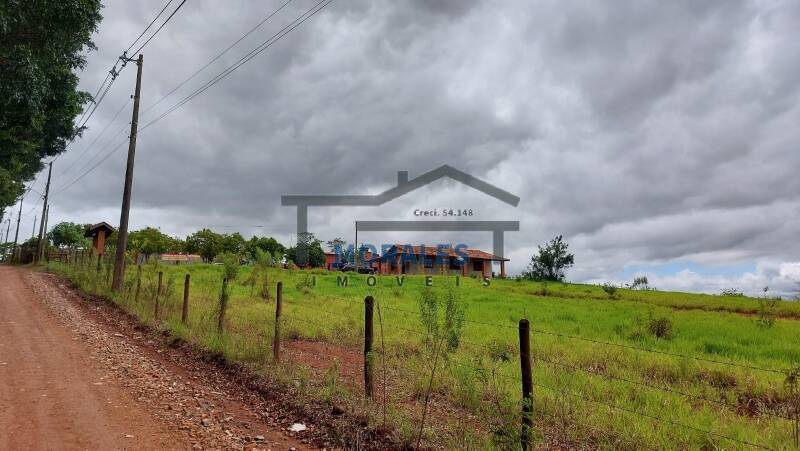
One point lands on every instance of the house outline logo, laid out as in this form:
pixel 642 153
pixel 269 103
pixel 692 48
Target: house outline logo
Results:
pixel 405 186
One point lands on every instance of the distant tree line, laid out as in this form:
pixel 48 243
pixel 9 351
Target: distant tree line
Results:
pixel 206 243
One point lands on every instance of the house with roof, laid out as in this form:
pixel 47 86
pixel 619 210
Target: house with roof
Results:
pixel 405 186
pixel 426 260
pixel 433 260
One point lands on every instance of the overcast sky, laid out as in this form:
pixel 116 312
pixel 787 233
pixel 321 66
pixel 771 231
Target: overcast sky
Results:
pixel 659 138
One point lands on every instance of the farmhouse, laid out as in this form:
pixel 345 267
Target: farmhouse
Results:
pixel 432 260
pixel 407 259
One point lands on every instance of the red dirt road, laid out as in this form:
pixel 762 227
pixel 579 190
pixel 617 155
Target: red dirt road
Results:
pixel 53 395
pixel 60 384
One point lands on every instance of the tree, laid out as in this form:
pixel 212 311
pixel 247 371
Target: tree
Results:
pixel 40 50
pixel 336 244
pixel 313 248
pixel 69 234
pixel 233 243
pixel 206 243
pixel 551 262
pixel 151 241
pixel 265 244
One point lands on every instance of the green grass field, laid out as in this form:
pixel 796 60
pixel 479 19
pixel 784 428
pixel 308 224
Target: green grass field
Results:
pixel 602 379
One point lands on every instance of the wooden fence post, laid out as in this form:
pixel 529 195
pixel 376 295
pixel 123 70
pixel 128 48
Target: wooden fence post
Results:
pixel 527 382
pixel 185 311
pixel 369 303
pixel 158 293
pixel 138 283
pixel 276 341
pixel 223 304
pixel 99 260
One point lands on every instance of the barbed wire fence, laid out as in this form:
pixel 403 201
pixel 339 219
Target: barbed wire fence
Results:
pixel 324 316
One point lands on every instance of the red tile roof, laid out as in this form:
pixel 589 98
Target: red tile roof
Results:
pixel 475 254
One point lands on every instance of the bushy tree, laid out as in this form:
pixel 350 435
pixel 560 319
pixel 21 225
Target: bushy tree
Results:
pixel 551 262
pixel 41 45
pixel 233 243
pixel 205 243
pixel 266 244
pixel 312 246
pixel 69 234
pixel 151 241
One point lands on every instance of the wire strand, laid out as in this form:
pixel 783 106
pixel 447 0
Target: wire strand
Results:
pixel 159 28
pixel 149 25
pixel 652 417
pixel 218 56
pixel 253 53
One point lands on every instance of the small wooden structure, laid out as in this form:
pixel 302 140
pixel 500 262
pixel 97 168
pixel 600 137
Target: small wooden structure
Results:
pixel 98 233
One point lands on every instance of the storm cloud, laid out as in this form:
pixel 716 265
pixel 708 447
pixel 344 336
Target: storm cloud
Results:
pixel 646 132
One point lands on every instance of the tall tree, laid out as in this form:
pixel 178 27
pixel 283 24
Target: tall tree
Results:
pixel 551 262
pixel 204 242
pixel 264 244
pixel 41 45
pixel 312 248
pixel 69 234
pixel 151 241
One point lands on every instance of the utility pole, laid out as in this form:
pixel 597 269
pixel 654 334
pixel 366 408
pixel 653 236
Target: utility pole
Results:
pixel 46 220
pixel 16 234
pixel 122 233
pixel 33 232
pixel 8 230
pixel 40 244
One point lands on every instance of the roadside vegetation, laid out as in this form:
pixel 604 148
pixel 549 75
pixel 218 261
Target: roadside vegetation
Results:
pixel 613 368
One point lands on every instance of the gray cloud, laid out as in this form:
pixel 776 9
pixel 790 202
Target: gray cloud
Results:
pixel 643 131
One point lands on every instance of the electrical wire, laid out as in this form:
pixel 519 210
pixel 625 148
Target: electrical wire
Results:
pixel 148 26
pixel 159 28
pixel 86 149
pixel 218 56
pixel 253 53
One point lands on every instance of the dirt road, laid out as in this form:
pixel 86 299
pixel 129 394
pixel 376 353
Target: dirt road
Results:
pixel 67 382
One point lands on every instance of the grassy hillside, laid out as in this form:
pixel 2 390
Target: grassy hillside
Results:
pixel 716 377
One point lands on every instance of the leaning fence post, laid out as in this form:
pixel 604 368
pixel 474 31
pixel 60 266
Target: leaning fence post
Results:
pixel 158 293
pixel 99 260
pixel 223 304
pixel 368 379
pixel 276 340
pixel 527 382
pixel 185 311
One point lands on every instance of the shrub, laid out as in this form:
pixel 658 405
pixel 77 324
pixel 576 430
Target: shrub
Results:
pixel 230 265
pixel 305 283
pixel 660 327
pixel 766 310
pixel 610 289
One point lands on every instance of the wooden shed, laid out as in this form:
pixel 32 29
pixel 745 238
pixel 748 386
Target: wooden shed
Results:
pixel 98 233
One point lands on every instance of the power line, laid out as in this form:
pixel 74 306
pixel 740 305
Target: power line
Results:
pixel 90 169
pixel 266 44
pixel 105 86
pixel 86 149
pixel 148 26
pixel 253 53
pixel 218 56
pixel 98 152
pixel 159 28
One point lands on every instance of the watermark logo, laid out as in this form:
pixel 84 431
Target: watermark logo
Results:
pixel 404 186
